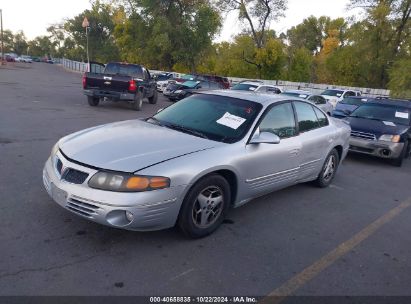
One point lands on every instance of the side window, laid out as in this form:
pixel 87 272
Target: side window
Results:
pixel 214 85
pixel 273 90
pixel 280 121
pixel 262 89
pixel 320 100
pixel 145 74
pixel 307 120
pixel 322 119
pixel 349 93
pixel 204 85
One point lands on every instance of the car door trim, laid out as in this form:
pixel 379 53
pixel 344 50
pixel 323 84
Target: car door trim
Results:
pixel 266 177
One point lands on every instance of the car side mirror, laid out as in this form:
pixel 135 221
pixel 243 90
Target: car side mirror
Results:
pixel 265 138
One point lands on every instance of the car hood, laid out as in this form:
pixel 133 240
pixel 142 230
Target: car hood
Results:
pixel 341 107
pixel 129 146
pixel 374 127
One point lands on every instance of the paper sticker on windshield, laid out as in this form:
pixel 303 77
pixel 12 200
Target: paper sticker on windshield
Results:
pixel 389 123
pixel 302 96
pixel 402 115
pixel 231 121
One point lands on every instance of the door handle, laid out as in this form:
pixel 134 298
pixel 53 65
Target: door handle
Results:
pixel 294 152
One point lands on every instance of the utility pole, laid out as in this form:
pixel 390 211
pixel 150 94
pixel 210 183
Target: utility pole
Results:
pixel 2 37
pixel 86 25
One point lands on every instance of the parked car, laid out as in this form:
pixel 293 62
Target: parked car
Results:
pixel 336 95
pixel 191 162
pixel 225 83
pixel 346 106
pixel 256 86
pixel 26 58
pixel 162 80
pixel 382 128
pixel 120 81
pixel 36 59
pixel 8 58
pixel 319 100
pixel 175 91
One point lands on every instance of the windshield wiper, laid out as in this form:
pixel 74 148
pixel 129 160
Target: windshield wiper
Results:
pixel 186 130
pixel 158 122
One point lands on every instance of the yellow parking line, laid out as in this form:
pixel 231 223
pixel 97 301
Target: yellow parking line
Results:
pixel 289 287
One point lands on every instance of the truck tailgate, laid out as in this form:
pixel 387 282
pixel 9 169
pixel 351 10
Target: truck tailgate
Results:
pixel 114 83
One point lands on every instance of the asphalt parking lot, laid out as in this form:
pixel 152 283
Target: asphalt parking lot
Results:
pixel 352 238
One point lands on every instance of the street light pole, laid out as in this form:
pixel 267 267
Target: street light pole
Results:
pixel 2 37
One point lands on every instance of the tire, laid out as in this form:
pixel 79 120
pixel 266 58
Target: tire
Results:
pixel 138 102
pixel 93 101
pixel 328 170
pixel 153 99
pixel 196 218
pixel 404 154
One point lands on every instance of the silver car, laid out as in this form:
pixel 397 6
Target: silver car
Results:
pixel 319 100
pixel 191 162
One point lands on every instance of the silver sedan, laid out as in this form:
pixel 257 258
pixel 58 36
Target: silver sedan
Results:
pixel 193 161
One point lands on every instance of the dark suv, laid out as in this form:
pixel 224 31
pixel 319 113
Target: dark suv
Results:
pixel 382 128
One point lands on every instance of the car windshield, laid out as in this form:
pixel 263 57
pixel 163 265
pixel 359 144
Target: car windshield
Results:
pixel 187 77
pixel 124 69
pixel 337 93
pixel 190 83
pixel 162 77
pixel 296 94
pixel 384 112
pixel 353 101
pixel 218 118
pixel 245 87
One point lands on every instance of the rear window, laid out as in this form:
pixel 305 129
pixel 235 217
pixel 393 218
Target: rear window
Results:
pixel 244 87
pixel 124 70
pixel 337 93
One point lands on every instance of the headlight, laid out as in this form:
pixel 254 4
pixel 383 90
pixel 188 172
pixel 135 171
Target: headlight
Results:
pixel 178 91
pixel 54 149
pixel 124 182
pixel 391 138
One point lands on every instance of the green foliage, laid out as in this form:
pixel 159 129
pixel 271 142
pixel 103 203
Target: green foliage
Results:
pixel 300 67
pixel 400 78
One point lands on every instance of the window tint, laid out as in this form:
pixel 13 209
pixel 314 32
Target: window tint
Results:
pixel 349 93
pixel 124 69
pixel 262 89
pixel 280 121
pixel 307 120
pixel 273 90
pixel 319 100
pixel 322 119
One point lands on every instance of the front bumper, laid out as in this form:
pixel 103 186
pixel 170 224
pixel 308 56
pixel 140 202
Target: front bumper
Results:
pixel 110 94
pixel 377 148
pixel 152 210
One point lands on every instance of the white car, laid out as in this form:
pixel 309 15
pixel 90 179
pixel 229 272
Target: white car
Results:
pixel 318 100
pixel 336 95
pixel 256 86
pixel 25 58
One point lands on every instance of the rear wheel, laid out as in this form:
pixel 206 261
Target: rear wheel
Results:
pixel 93 101
pixel 153 99
pixel 138 102
pixel 329 169
pixel 205 206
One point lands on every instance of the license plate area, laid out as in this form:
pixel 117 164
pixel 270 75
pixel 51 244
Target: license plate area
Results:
pixel 60 196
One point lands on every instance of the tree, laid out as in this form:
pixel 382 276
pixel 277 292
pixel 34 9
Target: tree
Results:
pixel 300 68
pixel 400 79
pixel 19 45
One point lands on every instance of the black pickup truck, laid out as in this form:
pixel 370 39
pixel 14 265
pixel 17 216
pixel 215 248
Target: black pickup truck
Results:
pixel 119 81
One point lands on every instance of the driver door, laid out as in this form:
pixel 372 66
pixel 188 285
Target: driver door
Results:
pixel 269 167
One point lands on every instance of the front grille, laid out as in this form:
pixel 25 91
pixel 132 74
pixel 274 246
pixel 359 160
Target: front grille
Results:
pixel 74 176
pixel 59 165
pixel 363 135
pixel 82 208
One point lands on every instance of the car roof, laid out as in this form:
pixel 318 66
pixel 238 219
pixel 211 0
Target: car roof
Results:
pixel 299 92
pixel 392 102
pixel 262 98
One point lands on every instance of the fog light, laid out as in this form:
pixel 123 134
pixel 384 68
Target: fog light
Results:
pixel 129 216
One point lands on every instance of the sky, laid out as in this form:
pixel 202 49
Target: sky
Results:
pixel 33 17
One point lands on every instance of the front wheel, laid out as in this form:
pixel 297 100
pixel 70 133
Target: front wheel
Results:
pixel 329 169
pixel 93 101
pixel 153 99
pixel 205 206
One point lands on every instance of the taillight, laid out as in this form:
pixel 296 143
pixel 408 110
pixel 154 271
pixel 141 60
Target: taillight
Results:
pixel 84 81
pixel 132 87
